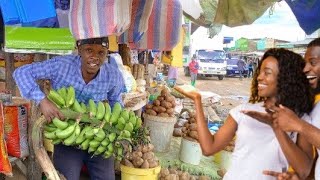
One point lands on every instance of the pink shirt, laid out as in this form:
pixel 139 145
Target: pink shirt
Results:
pixel 194 66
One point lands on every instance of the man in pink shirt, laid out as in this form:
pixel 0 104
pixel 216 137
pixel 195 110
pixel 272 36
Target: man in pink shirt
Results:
pixel 193 67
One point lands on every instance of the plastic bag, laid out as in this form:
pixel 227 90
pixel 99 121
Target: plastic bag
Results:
pixel 5 166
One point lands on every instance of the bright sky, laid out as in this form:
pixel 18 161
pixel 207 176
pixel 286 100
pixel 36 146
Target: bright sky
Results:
pixel 282 24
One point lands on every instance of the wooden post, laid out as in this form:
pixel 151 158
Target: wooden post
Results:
pixel 10 84
pixel 34 169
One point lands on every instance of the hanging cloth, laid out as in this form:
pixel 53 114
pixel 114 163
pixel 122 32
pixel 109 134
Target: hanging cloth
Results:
pixel 240 12
pixel 307 12
pixel 140 13
pixel 164 26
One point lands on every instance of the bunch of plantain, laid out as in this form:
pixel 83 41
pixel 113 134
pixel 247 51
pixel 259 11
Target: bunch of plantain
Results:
pixel 99 129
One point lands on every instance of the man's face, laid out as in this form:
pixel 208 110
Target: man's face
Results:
pixel 93 56
pixel 312 68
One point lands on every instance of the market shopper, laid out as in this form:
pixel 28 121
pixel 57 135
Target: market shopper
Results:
pixel 241 67
pixel 261 146
pixel 172 75
pixel 193 67
pixel 92 78
pixel 289 121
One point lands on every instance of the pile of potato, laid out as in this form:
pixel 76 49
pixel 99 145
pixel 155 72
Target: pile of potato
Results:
pixel 163 106
pixel 142 157
pixel 173 174
pixel 189 128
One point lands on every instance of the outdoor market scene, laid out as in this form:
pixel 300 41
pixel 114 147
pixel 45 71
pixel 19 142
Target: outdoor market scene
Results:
pixel 159 89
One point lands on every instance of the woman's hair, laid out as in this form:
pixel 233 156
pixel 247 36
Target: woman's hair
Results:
pixel 293 88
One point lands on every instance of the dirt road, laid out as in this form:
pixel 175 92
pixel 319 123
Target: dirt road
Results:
pixel 232 90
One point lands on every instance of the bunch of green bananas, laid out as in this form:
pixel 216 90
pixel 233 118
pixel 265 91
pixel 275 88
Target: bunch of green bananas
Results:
pixel 99 130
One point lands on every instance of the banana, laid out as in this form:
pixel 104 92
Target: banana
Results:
pixel 116 110
pixel 107 154
pixel 71 96
pixel 120 151
pixel 70 140
pixel 66 132
pixel 50 135
pixel 89 134
pixel 105 142
pixel 49 128
pixel 85 144
pixel 100 150
pixel 132 114
pixel 92 108
pixel 56 141
pixel 112 137
pixel 81 137
pixel 100 135
pixel 120 126
pixel 110 148
pixel 56 98
pixel 54 102
pixel 84 107
pixel 100 110
pixel 138 123
pixel 63 93
pixel 60 124
pixel 129 127
pixel 94 143
pixel 91 149
pixel 107 114
pixel 133 120
pixel 125 134
pixel 77 107
pixel 125 115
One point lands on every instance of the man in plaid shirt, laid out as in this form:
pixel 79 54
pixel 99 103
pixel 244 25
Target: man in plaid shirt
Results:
pixel 92 78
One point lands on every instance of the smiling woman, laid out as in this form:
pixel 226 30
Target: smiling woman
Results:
pixel 259 144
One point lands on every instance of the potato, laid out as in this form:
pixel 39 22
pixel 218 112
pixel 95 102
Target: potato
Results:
pixel 150 147
pixel 171 114
pixel 164 93
pixel 162 109
pixel 192 120
pixel 166 104
pixel 193 127
pixel 136 154
pixel 184 176
pixel 193 178
pixel 204 178
pixel 184 129
pixel 145 149
pixel 170 98
pixel 160 98
pixel 186 125
pixel 149 106
pixel 170 110
pixel 173 171
pixel 193 134
pixel 151 112
pixel 163 115
pixel 137 162
pixel 177 132
pixel 128 156
pixel 164 172
pixel 156 109
pixel 172 177
pixel 156 102
pixel 145 165
pixel 128 163
pixel 152 163
pixel 148 155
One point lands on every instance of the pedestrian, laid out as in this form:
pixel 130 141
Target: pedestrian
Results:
pixel 290 122
pixel 250 69
pixel 260 146
pixel 193 67
pixel 92 78
pixel 241 67
pixel 172 75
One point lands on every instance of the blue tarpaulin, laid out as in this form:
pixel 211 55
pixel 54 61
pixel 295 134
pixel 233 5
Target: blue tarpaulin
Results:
pixel 307 13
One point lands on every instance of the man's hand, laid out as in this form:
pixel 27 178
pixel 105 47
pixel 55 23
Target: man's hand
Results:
pixel 282 176
pixel 286 119
pixel 50 110
pixel 190 94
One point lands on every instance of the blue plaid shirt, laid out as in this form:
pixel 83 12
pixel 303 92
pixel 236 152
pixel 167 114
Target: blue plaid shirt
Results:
pixel 65 71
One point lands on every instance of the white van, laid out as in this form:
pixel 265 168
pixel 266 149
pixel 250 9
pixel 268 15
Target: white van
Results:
pixel 211 63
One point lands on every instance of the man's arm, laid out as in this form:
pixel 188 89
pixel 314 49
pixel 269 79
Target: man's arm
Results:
pixel 26 78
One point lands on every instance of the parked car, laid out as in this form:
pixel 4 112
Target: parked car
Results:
pixel 232 68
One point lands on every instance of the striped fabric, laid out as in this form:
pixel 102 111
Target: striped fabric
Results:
pixel 164 26
pixel 98 18
pixel 141 10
